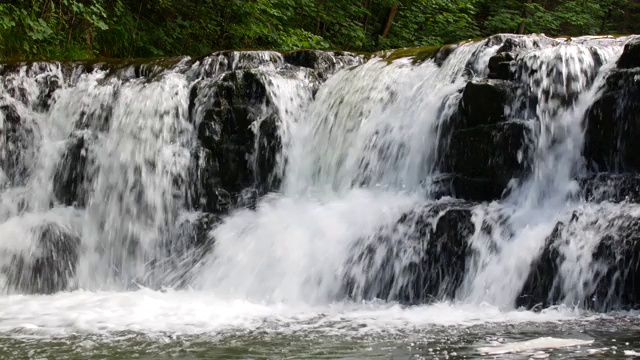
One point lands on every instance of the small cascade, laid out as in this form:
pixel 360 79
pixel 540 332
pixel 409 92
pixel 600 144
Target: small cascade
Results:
pixel 113 172
pixel 499 171
pixel 378 125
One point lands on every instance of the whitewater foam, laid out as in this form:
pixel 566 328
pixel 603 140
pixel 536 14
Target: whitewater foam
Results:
pixel 197 312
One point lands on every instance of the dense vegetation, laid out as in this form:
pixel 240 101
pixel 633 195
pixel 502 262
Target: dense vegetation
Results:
pixel 142 28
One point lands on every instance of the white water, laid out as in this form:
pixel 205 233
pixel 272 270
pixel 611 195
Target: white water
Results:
pixel 535 344
pixel 354 159
pixel 191 313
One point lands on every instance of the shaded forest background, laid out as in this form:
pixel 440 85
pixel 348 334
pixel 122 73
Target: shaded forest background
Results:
pixel 81 29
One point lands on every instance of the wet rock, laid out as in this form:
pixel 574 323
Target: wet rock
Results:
pixel 51 267
pixel 193 235
pixel 611 187
pixel 513 42
pixel 17 145
pixel 325 63
pixel 610 281
pixel 630 57
pixel 617 275
pixel 500 66
pixel 539 291
pixel 471 189
pixel 247 199
pixel 72 178
pixel 491 155
pixel 420 259
pixel 228 61
pixel 98 118
pixel 184 250
pixel 127 69
pixel 484 102
pixel 205 191
pixel 443 53
pixel 491 101
pixel 613 125
pixel 230 115
pixel 441 271
pixel 47 77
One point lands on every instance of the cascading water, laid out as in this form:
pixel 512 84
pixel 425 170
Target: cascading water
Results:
pixel 318 182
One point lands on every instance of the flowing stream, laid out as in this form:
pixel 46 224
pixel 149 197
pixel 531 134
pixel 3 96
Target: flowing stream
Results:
pixel 326 229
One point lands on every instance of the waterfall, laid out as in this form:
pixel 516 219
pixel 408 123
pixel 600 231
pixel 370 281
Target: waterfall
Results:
pixel 318 177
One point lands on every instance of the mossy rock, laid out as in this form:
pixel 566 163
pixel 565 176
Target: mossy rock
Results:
pixel 417 54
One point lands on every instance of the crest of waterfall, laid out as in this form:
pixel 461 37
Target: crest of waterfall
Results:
pixel 381 127
pixel 378 125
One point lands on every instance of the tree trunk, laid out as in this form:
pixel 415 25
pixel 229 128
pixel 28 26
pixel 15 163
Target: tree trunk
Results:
pixel 366 18
pixel 321 26
pixel 392 14
pixel 603 26
pixel 625 20
pixel 523 23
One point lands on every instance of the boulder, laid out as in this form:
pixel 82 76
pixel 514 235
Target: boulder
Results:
pixel 491 101
pixel 420 259
pixel 613 125
pixel 630 57
pixel 50 267
pixel 484 102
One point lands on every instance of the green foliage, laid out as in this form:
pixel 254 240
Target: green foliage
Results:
pixel 66 29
